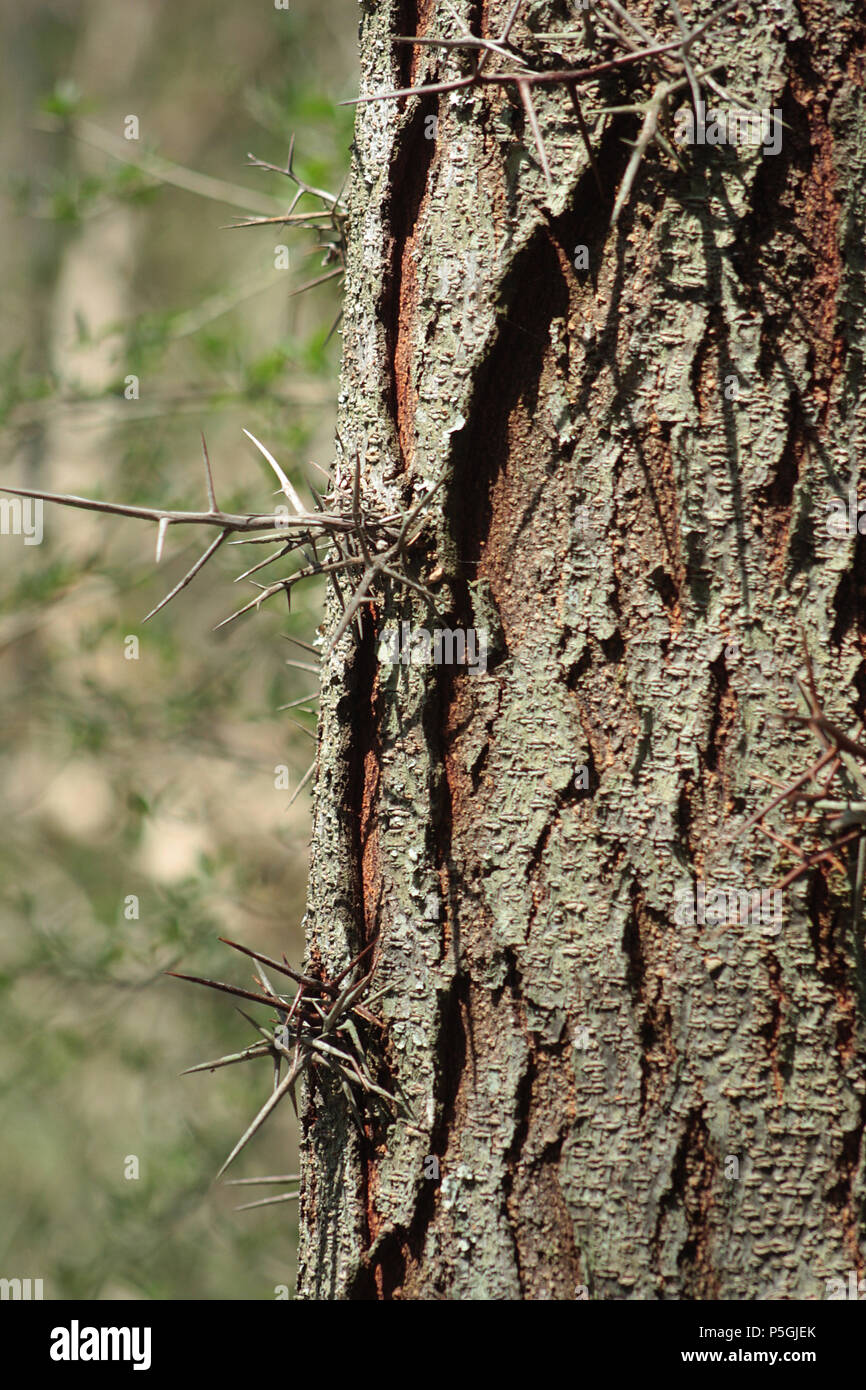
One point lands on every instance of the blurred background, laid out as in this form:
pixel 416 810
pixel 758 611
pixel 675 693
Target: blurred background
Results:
pixel 145 796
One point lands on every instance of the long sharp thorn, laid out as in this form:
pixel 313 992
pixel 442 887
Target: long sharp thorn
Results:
pixel 334 326
pixel 429 90
pixel 160 536
pixel 352 607
pixel 254 521
pixel 284 969
pixel 262 1182
pixel 265 982
pixel 304 666
pixel 211 495
pixel 189 576
pixel 534 79
pixel 584 135
pixel 822 725
pixel 307 646
pixel 300 787
pixel 256 602
pixel 320 280
pixel 787 793
pixel 418 507
pixel 646 134
pixel 304 700
pixel 262 564
pixel 269 1201
pixel 257 1027
pixel 257 1050
pixel 268 591
pixel 273 1100
pixel 338 979
pixel 526 98
pixel 285 485
pixel 323 471
pixel 304 730
pixel 349 995
pixel 273 1002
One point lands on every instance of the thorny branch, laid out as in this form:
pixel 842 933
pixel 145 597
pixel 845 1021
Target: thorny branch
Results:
pixel 369 545
pixel 669 63
pixel 327 221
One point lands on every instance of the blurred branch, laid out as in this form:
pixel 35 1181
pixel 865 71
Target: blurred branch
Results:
pixel 158 168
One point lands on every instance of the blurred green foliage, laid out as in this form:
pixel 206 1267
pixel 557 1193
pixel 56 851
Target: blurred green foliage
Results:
pixel 150 778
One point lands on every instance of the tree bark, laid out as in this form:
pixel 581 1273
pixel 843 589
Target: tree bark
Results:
pixel 639 458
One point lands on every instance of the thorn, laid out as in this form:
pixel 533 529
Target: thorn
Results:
pixel 323 471
pixel 257 1050
pixel 190 575
pixel 304 700
pixel 262 564
pixel 584 135
pixel 273 1100
pixel 260 1182
pixel 526 98
pixel 304 666
pixel 304 730
pixel 269 1201
pixel 284 969
pixel 646 134
pixel 300 787
pixel 285 485
pixel 338 979
pixel 272 1002
pixel 307 646
pixel 320 280
pixel 256 602
pixel 160 537
pixel 211 495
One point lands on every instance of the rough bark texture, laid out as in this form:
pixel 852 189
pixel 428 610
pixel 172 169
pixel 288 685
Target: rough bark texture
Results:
pixel 586 1067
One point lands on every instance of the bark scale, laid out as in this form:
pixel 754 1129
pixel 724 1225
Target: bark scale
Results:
pixel 622 1103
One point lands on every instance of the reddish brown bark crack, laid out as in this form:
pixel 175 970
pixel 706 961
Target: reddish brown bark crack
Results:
pixel 723 721
pixel 771 1030
pixel 547 1258
pixel 408 184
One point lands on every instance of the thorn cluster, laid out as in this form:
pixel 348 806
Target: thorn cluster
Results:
pixel 366 545
pixel 669 67
pixel 328 221
pixel 321 1027
pixel 832 824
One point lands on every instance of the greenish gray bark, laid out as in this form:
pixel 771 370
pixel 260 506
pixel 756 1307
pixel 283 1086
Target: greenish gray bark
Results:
pixel 622 1103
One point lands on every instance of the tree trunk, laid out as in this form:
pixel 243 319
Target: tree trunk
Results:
pixel 624 1099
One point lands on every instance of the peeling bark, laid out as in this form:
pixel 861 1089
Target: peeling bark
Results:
pixel 619 1101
